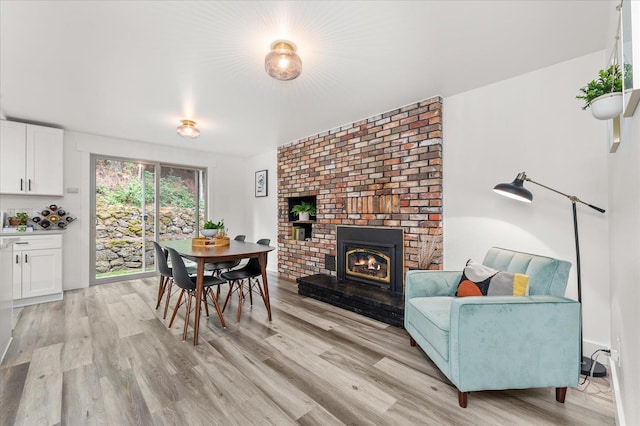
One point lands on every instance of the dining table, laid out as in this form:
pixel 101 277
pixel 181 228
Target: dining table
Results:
pixel 236 250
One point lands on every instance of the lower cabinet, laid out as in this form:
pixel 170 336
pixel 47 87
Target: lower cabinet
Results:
pixel 37 269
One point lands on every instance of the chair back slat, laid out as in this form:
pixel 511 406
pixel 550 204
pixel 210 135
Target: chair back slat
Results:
pixel 180 274
pixel 254 264
pixel 161 261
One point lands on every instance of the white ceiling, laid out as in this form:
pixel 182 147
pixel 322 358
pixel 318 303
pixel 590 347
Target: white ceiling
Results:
pixel 134 69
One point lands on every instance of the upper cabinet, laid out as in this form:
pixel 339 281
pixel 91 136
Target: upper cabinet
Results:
pixel 31 159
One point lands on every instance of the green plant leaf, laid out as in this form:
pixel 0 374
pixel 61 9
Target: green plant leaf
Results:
pixel 609 81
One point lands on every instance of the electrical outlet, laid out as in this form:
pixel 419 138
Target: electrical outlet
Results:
pixel 618 350
pixel 615 356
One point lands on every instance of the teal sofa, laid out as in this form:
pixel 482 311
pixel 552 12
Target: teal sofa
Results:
pixel 498 342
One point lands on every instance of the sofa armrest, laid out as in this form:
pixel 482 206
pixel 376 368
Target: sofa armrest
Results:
pixel 507 342
pixel 422 283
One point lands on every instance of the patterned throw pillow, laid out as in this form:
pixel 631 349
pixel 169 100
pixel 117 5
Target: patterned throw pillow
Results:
pixel 480 280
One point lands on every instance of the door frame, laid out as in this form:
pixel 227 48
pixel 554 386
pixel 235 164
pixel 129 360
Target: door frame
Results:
pixel 93 216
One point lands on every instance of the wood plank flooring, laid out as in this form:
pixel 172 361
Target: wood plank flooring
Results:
pixel 104 356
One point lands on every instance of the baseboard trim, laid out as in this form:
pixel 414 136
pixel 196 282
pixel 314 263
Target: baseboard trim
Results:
pixel 615 385
pixel 6 349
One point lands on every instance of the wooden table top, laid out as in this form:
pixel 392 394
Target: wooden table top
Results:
pixel 235 250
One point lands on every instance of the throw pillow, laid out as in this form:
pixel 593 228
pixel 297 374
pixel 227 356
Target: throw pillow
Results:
pixel 480 280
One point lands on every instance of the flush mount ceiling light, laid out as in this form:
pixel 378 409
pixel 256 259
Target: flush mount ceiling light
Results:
pixel 282 63
pixel 188 129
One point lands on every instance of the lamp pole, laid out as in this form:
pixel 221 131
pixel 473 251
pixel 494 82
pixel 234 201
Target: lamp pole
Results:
pixel 517 191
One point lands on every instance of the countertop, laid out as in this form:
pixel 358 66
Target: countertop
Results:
pixel 32 233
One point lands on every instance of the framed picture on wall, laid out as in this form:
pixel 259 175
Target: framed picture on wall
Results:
pixel 261 183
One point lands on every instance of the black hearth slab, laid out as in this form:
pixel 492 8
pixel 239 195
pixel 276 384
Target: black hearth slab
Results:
pixel 369 301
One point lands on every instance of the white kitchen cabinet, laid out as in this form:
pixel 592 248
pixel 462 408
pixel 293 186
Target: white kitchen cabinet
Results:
pixel 37 269
pixel 31 159
pixel 6 295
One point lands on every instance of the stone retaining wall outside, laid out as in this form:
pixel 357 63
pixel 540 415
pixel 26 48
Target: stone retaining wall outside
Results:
pixel 119 235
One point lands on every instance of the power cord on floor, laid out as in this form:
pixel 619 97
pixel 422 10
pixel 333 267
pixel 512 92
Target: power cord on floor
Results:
pixel 587 382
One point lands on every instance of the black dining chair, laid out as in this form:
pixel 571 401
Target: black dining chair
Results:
pixel 217 268
pixel 166 276
pixel 187 285
pixel 251 272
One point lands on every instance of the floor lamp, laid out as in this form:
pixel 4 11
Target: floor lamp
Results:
pixel 517 191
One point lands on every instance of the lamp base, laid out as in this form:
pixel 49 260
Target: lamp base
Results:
pixel 585 368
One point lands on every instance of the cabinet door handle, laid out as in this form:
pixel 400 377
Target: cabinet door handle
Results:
pixel 21 184
pixel 26 258
pixel 22 242
pixel 17 259
pixel 29 185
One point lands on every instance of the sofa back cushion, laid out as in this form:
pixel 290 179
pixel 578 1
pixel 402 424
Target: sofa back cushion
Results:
pixel 547 276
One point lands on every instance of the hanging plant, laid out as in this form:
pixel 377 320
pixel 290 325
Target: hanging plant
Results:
pixel 604 94
pixel 609 81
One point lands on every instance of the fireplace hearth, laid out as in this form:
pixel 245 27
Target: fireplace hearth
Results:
pixel 370 271
pixel 370 301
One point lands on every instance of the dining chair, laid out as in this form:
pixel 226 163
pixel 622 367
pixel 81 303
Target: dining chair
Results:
pixel 187 284
pixel 251 272
pixel 166 276
pixel 217 268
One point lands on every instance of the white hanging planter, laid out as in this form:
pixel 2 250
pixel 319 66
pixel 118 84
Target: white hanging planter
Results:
pixel 607 106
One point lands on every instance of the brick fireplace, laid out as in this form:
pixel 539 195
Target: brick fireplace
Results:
pixel 383 171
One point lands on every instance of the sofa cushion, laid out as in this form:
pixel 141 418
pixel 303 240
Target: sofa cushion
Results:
pixel 480 280
pixel 431 316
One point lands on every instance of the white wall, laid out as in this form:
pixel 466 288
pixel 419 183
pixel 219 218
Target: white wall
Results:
pixel 531 123
pixel 263 211
pixel 624 199
pixel 226 188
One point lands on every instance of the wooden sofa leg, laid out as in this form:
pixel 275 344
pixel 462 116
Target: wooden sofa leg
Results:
pixel 561 393
pixel 411 341
pixel 462 399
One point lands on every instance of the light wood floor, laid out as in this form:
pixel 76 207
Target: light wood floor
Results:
pixel 104 355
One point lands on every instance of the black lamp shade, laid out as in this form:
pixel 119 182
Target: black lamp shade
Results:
pixel 515 190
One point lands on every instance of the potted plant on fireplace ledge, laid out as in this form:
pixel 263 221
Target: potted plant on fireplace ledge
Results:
pixel 304 210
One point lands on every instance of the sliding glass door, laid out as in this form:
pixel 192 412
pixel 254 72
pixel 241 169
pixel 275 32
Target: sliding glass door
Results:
pixel 136 202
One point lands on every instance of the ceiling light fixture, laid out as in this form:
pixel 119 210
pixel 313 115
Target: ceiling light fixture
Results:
pixel 283 63
pixel 188 129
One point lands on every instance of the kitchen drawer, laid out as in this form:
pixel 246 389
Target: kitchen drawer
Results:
pixel 38 242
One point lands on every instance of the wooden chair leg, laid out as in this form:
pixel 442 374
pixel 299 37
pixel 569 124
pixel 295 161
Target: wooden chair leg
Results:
pixel 186 316
pixel 168 291
pixel 175 310
pixel 206 305
pixel 462 399
pixel 561 393
pixel 250 293
pixel 215 303
pixel 257 283
pixel 240 298
pixel 163 284
pixel 411 341
pixel 228 295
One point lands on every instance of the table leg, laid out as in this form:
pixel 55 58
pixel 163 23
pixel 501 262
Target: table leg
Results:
pixel 199 289
pixel 262 258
